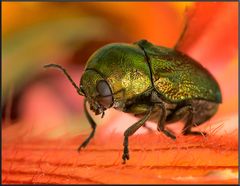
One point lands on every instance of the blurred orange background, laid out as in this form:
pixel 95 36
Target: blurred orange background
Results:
pixel 41 104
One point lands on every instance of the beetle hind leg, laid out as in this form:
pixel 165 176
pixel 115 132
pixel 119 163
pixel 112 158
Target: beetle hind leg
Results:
pixel 190 123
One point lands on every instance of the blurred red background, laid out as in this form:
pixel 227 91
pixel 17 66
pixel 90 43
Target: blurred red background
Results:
pixel 41 105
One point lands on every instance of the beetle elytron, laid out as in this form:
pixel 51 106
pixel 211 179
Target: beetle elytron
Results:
pixel 152 82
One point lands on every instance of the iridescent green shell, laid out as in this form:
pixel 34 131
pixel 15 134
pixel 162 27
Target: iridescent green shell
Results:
pixel 123 66
pixel 178 77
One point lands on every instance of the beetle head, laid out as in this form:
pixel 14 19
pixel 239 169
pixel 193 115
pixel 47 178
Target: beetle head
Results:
pixel 97 91
pixel 114 74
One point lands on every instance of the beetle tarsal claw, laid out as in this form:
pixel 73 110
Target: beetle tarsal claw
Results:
pixel 84 144
pixel 125 157
pixel 80 148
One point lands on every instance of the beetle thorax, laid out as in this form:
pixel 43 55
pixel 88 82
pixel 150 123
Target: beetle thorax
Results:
pixel 124 68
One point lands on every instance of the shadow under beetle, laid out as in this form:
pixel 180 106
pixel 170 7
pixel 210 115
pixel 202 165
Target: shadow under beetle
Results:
pixel 152 82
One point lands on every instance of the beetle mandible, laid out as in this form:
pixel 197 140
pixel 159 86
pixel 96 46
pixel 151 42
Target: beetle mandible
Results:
pixel 152 82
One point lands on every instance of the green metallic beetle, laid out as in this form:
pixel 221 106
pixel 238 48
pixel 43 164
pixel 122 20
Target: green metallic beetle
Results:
pixel 152 82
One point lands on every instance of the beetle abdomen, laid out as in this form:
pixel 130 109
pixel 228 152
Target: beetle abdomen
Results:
pixel 178 77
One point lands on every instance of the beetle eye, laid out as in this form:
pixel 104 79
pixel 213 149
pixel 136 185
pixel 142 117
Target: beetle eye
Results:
pixel 105 94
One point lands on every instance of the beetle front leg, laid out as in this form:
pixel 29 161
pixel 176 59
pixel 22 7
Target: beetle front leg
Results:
pixel 161 122
pixel 93 125
pixel 130 131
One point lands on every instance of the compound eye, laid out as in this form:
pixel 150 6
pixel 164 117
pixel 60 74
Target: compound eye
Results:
pixel 105 97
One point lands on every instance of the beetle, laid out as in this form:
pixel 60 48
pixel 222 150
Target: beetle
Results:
pixel 151 82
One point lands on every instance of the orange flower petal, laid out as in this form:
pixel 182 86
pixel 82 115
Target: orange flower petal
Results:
pixel 212 33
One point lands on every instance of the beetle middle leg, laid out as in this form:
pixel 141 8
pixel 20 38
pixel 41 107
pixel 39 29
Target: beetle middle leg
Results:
pixel 130 131
pixel 93 125
pixel 162 120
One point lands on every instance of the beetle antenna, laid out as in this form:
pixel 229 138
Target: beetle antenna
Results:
pixel 68 76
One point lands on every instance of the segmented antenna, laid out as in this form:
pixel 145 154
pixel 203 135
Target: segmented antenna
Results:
pixel 68 76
